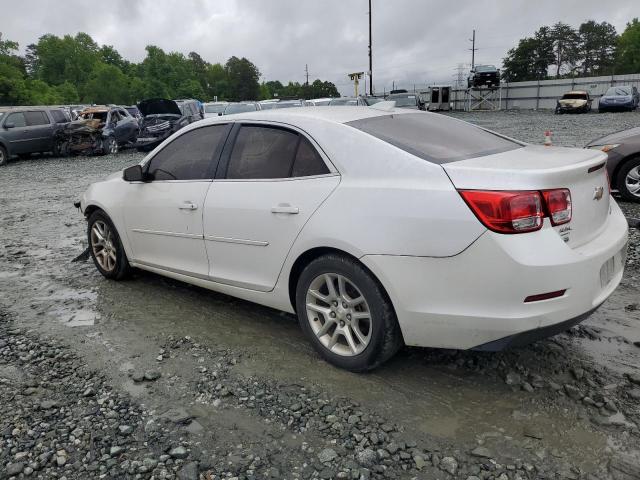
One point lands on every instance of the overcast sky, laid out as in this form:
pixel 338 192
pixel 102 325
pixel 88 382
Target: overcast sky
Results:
pixel 414 41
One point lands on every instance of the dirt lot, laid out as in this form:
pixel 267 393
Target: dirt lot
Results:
pixel 151 378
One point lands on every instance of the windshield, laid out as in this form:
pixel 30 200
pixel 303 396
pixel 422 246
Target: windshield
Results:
pixel 406 101
pixel 618 91
pixel 321 103
pixel 214 108
pixel 485 68
pixel 343 101
pixel 239 108
pixel 574 96
pixel 434 137
pixel 268 105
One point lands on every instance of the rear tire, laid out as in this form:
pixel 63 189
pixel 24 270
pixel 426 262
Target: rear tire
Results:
pixel 352 326
pixel 628 180
pixel 106 248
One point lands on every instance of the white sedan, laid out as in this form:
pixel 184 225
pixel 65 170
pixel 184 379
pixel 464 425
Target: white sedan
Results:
pixel 378 227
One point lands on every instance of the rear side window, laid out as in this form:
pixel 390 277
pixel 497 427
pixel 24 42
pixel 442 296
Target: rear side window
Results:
pixel 190 156
pixel 308 162
pixel 262 152
pixel 17 119
pixel 434 137
pixel 58 116
pixel 36 118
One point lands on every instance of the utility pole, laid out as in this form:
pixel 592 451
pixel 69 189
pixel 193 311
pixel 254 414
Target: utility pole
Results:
pixel 473 50
pixel 306 72
pixel 370 55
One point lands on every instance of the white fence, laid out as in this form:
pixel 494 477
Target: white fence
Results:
pixel 544 94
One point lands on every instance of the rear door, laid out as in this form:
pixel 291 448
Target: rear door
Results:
pixel 272 180
pixel 163 217
pixel 40 131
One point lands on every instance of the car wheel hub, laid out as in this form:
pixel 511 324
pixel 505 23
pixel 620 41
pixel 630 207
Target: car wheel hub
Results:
pixel 338 314
pixel 632 181
pixel 102 245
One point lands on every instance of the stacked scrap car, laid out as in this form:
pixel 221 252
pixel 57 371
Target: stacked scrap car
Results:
pixel 100 130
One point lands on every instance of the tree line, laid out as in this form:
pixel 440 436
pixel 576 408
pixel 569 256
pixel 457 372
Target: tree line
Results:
pixel 75 69
pixel 561 51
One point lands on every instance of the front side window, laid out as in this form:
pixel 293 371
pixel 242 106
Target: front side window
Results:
pixel 435 138
pixel 17 119
pixel 190 156
pixel 36 118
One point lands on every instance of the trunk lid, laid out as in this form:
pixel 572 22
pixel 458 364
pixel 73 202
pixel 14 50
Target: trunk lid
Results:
pixel 533 167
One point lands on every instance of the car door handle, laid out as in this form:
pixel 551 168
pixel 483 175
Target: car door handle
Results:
pixel 188 206
pixel 285 208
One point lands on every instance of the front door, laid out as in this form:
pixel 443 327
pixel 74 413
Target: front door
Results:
pixel 275 180
pixel 163 216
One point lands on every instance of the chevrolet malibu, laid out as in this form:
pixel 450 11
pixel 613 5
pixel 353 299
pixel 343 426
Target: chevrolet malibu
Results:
pixel 377 226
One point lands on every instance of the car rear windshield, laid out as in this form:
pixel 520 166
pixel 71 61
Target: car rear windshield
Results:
pixel 434 137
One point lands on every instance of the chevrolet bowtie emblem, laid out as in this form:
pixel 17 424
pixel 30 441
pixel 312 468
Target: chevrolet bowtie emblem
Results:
pixel 598 193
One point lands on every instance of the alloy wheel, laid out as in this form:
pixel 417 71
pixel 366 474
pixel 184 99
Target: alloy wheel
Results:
pixel 103 245
pixel 338 314
pixel 632 181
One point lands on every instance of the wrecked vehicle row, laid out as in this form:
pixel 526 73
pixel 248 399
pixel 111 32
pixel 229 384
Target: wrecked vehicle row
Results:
pixel 94 130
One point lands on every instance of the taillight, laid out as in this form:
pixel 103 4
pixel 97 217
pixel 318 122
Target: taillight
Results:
pixel 505 211
pixel 558 204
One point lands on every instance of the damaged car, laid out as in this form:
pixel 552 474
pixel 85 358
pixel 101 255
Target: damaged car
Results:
pixel 160 118
pixel 576 101
pixel 100 130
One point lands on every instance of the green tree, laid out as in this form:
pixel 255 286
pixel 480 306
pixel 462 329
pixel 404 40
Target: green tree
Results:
pixel 106 84
pixel 530 60
pixel 67 93
pixel 628 57
pixel 566 50
pixel 598 42
pixel 243 77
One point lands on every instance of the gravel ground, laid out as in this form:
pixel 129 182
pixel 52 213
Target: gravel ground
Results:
pixel 152 378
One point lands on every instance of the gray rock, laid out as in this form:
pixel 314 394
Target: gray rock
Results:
pixel 327 455
pixel 61 460
pixel 179 452
pixel 189 472
pixel 634 378
pixel 89 392
pixel 572 392
pixel 419 461
pixel 527 387
pixel 48 404
pixel 449 465
pixel 578 373
pixel 151 375
pixel 367 457
pixel 138 377
pixel 125 429
pixel 513 378
pixel 635 393
pixel 116 450
pixel 14 469
pixel 482 452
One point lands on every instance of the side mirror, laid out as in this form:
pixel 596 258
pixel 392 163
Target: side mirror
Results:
pixel 133 174
pixel 9 125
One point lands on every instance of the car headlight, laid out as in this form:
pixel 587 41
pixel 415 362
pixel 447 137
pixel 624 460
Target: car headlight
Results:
pixel 605 148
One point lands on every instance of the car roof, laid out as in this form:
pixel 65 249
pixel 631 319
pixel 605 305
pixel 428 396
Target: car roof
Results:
pixel 577 92
pixel 96 109
pixel 337 114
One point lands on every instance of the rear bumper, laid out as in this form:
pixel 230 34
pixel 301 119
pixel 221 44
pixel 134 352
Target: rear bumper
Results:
pixel 477 297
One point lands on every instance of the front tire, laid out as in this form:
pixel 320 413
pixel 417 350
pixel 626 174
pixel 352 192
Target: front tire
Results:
pixel 106 247
pixel 628 180
pixel 4 156
pixel 346 314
